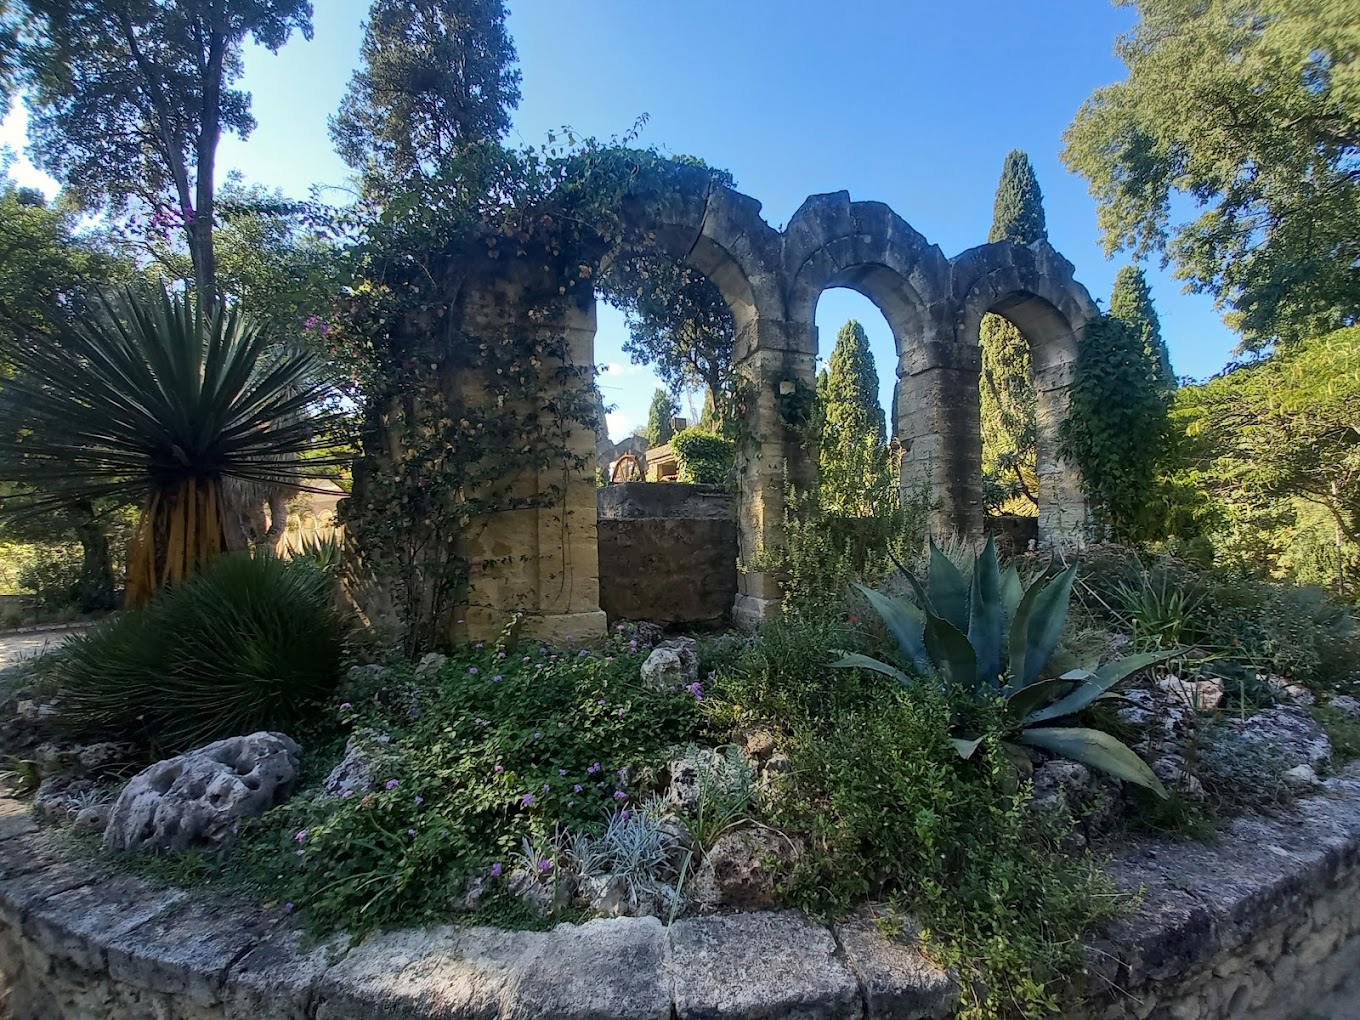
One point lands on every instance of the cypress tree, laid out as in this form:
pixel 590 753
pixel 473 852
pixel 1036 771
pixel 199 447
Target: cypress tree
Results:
pixel 1008 402
pixel 1131 303
pixel 659 415
pixel 853 452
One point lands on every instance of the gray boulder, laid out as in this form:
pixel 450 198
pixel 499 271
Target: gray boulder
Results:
pixel 743 870
pixel 354 774
pixel 194 801
pixel 1346 705
pixel 1295 733
pixel 672 665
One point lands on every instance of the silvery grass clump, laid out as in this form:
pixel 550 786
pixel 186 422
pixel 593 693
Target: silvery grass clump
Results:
pixel 637 850
pixel 989 636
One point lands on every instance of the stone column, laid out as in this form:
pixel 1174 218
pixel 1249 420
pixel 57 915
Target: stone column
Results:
pixel 1063 514
pixel 541 561
pixel 777 360
pixel 939 426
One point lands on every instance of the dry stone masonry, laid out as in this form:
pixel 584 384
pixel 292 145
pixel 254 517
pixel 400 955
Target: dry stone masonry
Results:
pixel 545 561
pixel 1262 925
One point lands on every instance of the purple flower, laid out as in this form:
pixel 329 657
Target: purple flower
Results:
pixel 499 769
pixel 625 815
pixel 300 836
pixel 345 706
pixel 600 702
pixel 496 870
pixel 546 787
pixel 561 772
pixel 419 800
pixel 620 795
pixel 288 907
pixel 478 646
pixel 538 734
pixel 583 653
pixel 498 678
pixel 392 784
pixel 526 659
pixel 696 690
pixel 593 769
pixel 411 833
pixel 620 713
pixel 577 787
pixel 472 670
pixel 527 800
pixel 545 865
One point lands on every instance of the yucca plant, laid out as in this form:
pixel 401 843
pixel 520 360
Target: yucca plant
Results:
pixel 250 642
pixel 156 402
pixel 992 636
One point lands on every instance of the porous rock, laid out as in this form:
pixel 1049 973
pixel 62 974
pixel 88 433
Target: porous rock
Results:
pixel 1346 705
pixel 672 665
pixel 1069 789
pixel 1200 695
pixel 195 800
pixel 353 774
pixel 743 870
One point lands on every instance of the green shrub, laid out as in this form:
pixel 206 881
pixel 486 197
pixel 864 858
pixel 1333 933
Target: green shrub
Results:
pixel 53 574
pixel 991 637
pixel 704 457
pixel 887 809
pixel 496 749
pixel 251 643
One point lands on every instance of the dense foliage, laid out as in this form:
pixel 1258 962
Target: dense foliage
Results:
pixel 502 746
pixel 1251 108
pixel 435 76
pixel 704 457
pixel 660 418
pixel 1008 402
pixel 130 102
pixel 250 643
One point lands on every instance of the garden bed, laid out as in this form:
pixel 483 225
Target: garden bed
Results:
pixel 1264 923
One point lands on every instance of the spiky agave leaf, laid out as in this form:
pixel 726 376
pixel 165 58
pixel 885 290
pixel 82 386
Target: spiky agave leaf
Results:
pixel 1096 749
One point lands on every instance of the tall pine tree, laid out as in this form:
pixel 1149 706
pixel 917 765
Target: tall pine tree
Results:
pixel 854 459
pixel 1008 403
pixel 660 428
pixel 1131 303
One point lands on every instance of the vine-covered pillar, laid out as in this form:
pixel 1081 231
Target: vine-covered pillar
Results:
pixel 776 363
pixel 540 558
pixel 940 429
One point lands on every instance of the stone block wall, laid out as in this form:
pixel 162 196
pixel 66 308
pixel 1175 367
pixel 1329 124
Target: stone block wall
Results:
pixel 668 553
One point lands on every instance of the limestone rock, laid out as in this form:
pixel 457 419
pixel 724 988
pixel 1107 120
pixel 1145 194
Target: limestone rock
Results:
pixel 544 897
pixel 743 869
pixel 605 894
pixel 672 665
pixel 430 663
pixel 1171 770
pixel 59 799
pixel 354 772
pixel 1290 692
pixel 1301 779
pixel 1294 732
pixel 194 800
pixel 92 819
pixel 1067 788
pixel 758 744
pixel 685 775
pixel 1200 695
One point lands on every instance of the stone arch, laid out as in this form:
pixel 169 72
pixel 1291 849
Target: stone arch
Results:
pixel 1033 287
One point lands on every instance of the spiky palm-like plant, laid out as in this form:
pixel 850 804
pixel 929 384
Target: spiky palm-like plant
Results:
pixel 157 402
pixel 991 636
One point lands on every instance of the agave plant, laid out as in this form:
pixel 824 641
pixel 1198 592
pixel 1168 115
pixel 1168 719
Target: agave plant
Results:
pixel 991 635
pixel 157 402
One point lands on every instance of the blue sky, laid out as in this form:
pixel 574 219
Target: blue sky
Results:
pixel 909 102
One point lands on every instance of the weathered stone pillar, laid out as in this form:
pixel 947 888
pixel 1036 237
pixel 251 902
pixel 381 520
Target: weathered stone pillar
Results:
pixel 939 426
pixel 1063 514
pixel 777 361
pixel 542 561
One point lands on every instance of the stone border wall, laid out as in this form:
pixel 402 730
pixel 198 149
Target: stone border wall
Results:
pixel 1263 924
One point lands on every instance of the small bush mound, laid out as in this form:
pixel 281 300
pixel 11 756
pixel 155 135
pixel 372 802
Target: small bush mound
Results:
pixel 250 643
pixel 704 457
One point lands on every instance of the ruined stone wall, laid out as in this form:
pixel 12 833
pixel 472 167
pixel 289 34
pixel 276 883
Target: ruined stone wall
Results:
pixel 668 553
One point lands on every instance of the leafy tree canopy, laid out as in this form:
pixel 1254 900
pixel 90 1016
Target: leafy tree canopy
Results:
pixel 129 101
pixel 1131 303
pixel 436 75
pixel 1252 109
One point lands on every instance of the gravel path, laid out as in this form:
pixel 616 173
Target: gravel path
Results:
pixel 14 647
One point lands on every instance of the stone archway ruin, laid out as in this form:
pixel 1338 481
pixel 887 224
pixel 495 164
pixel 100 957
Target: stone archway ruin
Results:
pixel 771 280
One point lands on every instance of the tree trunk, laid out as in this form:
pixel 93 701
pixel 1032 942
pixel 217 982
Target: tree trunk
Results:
pixel 96 571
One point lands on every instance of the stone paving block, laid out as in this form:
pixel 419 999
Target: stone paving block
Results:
pixel 15 819
pixel 279 977
pixel 76 925
pixel 758 966
pixel 896 980
pixel 187 950
pixel 23 891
